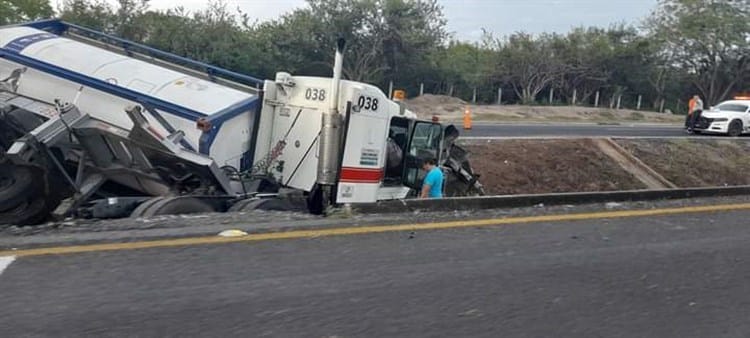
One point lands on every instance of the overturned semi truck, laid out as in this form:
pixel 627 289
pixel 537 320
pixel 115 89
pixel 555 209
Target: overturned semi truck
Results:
pixel 94 125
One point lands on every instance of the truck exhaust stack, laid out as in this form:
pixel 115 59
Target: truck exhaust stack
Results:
pixel 331 128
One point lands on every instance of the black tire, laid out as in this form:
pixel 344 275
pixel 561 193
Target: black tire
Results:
pixel 3 159
pixel 141 209
pixel 17 184
pixel 178 206
pixel 240 205
pixel 315 203
pixel 269 204
pixel 29 212
pixel 735 128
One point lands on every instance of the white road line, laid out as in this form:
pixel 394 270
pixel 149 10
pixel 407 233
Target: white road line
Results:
pixel 5 262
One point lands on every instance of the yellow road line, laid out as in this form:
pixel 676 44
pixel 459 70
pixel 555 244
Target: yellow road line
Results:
pixel 296 234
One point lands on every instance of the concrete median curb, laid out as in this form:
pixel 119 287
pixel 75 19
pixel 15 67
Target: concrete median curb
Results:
pixel 510 201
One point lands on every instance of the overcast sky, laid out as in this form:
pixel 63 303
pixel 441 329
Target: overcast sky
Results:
pixel 466 18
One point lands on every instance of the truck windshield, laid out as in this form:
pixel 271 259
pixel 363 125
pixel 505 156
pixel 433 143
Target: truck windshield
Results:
pixel 732 107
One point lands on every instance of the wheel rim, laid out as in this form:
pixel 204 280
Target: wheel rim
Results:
pixel 735 129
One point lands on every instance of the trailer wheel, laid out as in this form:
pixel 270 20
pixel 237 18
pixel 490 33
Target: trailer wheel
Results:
pixel 16 185
pixel 28 212
pixel 268 204
pixel 140 210
pixel 178 206
pixel 240 205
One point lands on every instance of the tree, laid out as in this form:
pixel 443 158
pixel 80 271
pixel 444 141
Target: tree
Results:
pixel 463 66
pixel 386 39
pixel 94 14
pixel 710 40
pixel 585 52
pixel 15 11
pixel 411 30
pixel 530 65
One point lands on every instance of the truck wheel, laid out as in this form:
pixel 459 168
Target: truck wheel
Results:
pixel 735 128
pixel 315 203
pixel 178 206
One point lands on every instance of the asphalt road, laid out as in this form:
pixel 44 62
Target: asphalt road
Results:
pixel 572 130
pixel 666 276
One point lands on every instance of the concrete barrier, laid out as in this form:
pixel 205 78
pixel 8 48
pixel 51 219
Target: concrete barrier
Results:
pixel 510 201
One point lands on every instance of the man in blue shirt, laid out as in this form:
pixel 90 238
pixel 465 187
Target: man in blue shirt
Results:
pixel 432 187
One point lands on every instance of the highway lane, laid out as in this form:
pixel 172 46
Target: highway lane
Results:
pixel 660 276
pixel 572 130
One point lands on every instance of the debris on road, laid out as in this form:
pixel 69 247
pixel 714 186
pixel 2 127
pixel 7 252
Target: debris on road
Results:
pixel 232 233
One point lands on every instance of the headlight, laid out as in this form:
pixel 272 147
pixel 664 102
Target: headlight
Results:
pixel 722 119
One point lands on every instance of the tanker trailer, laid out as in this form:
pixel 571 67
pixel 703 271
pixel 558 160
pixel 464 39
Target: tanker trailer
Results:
pixel 87 117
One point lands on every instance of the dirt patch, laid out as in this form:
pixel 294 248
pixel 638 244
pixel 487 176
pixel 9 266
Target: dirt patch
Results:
pixel 695 162
pixel 452 109
pixel 546 166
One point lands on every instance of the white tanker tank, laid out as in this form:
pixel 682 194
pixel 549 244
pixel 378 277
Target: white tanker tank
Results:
pixel 230 110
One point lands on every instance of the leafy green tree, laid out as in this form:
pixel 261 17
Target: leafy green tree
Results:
pixel 585 52
pixel 15 11
pixel 94 14
pixel 464 66
pixel 386 39
pixel 529 64
pixel 710 40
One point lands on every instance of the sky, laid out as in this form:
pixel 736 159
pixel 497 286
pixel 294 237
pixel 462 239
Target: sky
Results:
pixel 467 18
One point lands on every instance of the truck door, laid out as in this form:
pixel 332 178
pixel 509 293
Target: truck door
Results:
pixel 425 143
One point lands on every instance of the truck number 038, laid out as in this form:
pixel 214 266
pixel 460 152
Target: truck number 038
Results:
pixel 315 94
pixel 368 103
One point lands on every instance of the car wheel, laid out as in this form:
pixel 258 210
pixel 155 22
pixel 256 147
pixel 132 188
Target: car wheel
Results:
pixel 735 128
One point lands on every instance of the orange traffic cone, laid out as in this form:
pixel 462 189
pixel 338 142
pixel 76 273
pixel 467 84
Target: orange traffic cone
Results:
pixel 467 118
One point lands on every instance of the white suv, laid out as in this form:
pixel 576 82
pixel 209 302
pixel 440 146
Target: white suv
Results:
pixel 729 117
